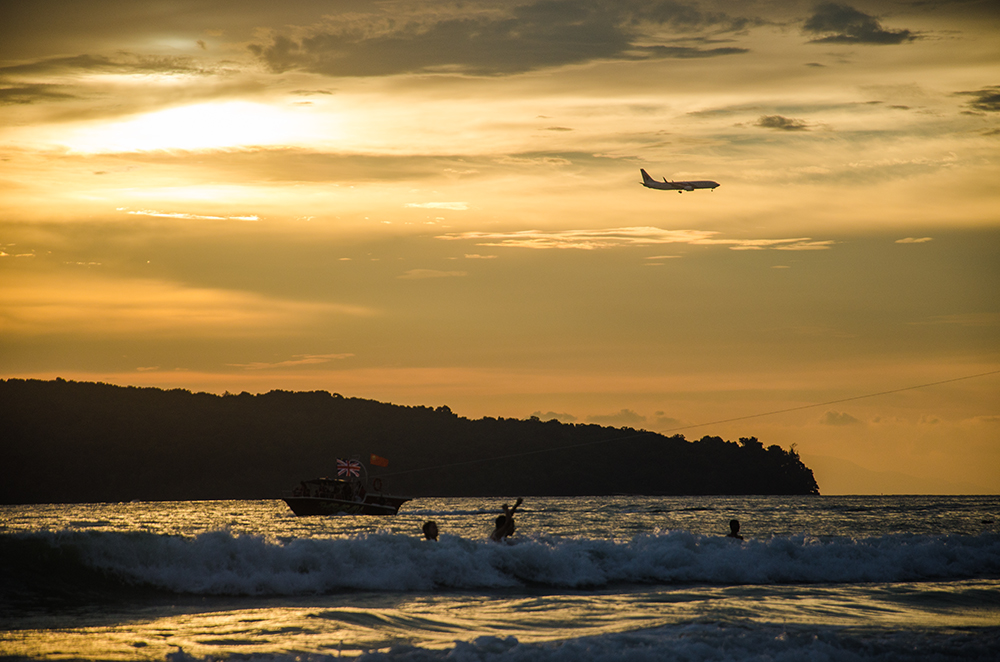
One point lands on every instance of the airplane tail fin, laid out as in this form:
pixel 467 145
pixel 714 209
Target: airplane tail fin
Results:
pixel 645 176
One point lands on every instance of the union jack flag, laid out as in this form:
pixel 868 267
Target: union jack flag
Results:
pixel 349 468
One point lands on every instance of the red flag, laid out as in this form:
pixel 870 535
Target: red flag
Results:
pixel 378 461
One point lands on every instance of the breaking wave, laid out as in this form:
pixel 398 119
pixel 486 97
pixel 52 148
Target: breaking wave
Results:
pixel 222 563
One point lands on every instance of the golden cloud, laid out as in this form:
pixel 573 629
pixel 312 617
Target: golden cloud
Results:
pixel 419 274
pixel 103 306
pixel 452 206
pixel 629 236
pixel 297 360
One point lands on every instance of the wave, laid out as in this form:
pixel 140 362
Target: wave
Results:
pixel 694 642
pixel 714 642
pixel 223 563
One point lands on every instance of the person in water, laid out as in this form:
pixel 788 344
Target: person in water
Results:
pixel 734 529
pixel 505 522
pixel 430 530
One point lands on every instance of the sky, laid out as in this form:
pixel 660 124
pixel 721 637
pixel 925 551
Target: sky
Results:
pixel 439 204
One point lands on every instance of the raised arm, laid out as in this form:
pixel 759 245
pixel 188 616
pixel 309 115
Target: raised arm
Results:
pixel 516 504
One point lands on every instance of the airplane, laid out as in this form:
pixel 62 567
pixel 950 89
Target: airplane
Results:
pixel 680 187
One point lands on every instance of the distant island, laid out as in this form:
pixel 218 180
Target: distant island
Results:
pixel 81 442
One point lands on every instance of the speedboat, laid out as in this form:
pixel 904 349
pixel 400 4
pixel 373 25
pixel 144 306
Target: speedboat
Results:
pixel 349 493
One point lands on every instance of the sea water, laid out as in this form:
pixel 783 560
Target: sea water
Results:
pixel 623 578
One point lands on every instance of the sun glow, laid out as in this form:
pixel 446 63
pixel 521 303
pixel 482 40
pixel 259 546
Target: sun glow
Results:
pixel 202 126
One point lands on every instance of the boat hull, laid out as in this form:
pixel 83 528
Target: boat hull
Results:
pixel 305 506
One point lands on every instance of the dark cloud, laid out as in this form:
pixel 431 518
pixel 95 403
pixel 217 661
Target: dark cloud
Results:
pixel 551 415
pixel 688 52
pixel 40 28
pixel 843 24
pixel 24 94
pixel 540 34
pixel 123 63
pixel 986 99
pixel 623 417
pixel 307 165
pixel 779 122
pixel 839 418
pixel 65 78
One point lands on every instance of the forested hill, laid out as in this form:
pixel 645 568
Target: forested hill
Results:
pixel 67 442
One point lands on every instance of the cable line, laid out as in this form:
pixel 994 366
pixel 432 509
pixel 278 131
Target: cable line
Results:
pixel 688 427
pixel 834 402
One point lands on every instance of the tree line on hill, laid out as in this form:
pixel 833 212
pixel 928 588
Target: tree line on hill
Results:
pixel 81 442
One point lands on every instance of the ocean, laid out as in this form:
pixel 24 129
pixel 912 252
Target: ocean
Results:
pixel 584 578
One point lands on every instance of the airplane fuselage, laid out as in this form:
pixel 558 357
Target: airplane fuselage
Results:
pixel 680 187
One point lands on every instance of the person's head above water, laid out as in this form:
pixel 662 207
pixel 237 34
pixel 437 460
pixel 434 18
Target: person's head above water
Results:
pixel 734 526
pixel 430 531
pixel 501 520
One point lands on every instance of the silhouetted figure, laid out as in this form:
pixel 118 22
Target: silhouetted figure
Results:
pixel 734 529
pixel 505 522
pixel 430 531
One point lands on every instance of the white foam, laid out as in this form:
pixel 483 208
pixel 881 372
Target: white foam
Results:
pixel 221 563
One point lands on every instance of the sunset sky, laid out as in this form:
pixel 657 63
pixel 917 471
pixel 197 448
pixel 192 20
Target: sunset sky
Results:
pixel 434 203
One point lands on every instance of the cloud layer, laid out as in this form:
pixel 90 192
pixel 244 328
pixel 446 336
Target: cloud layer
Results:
pixel 520 38
pixel 630 236
pixel 842 24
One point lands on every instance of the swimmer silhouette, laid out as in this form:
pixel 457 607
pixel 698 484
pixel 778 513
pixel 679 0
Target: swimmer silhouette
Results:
pixel 430 531
pixel 734 529
pixel 505 522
